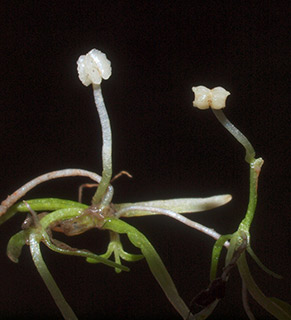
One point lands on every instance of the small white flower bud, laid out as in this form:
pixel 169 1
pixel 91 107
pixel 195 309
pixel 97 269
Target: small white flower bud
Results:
pixel 205 98
pixel 93 67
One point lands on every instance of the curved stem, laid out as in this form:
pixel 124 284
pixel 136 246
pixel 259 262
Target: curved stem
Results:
pixel 242 139
pixel 42 204
pixel 216 251
pixel 19 193
pixel 54 290
pixel 211 232
pixel 260 264
pixel 106 147
pixel 60 215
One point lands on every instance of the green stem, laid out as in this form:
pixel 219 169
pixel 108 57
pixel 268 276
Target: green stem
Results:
pixel 106 147
pixel 54 290
pixel 242 139
pixel 255 168
pixel 216 251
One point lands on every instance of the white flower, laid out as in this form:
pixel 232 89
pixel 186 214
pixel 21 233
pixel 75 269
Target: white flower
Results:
pixel 205 98
pixel 93 67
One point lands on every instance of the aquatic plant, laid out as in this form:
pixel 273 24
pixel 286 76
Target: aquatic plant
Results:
pixel 47 216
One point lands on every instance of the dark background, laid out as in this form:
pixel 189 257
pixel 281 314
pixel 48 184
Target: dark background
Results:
pixel 158 52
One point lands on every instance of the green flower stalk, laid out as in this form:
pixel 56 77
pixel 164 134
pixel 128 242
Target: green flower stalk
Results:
pixel 240 240
pixel 250 152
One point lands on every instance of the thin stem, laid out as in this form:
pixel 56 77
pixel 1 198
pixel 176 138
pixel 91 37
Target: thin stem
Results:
pixel 242 139
pixel 255 168
pixel 260 264
pixel 54 290
pixel 19 193
pixel 211 232
pixel 106 200
pixel 216 251
pixel 106 147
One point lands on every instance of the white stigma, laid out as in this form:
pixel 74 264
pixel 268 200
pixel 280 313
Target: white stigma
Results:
pixel 93 67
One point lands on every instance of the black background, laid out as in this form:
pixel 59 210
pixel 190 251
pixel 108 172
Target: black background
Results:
pixel 158 50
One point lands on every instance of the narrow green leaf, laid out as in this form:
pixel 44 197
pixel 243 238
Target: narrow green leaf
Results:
pixel 49 281
pixel 42 204
pixel 216 251
pixel 15 246
pixel 154 261
pixel 183 205
pixel 278 310
pixel 260 264
pixel 282 304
